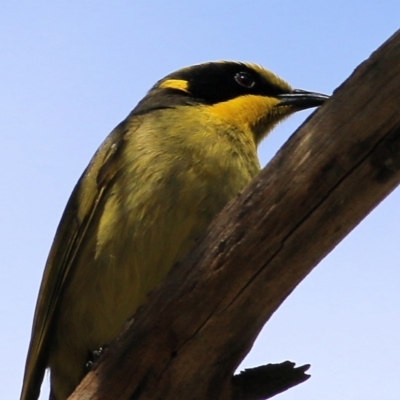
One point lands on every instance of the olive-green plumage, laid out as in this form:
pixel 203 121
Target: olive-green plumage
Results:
pixel 149 192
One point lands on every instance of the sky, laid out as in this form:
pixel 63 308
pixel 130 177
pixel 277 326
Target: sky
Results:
pixel 70 71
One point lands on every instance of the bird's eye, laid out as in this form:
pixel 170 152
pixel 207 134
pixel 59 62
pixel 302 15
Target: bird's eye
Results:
pixel 245 79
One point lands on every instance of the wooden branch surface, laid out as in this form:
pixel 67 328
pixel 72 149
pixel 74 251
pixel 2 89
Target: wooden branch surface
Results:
pixel 186 342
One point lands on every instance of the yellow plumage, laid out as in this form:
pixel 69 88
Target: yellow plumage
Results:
pixel 149 192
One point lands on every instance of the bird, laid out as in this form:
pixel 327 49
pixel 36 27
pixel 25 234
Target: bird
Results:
pixel 149 192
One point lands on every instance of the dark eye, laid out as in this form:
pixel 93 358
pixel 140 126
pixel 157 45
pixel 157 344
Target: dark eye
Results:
pixel 244 79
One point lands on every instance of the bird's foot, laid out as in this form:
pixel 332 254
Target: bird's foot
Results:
pixel 94 356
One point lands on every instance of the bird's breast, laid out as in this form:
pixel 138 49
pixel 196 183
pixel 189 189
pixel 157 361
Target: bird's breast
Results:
pixel 169 186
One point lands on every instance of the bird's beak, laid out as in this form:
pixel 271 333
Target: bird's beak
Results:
pixel 301 99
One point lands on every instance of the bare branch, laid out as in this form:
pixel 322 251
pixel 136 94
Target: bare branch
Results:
pixel 268 380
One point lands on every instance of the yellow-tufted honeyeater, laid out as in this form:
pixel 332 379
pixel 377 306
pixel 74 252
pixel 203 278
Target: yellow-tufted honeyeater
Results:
pixel 149 192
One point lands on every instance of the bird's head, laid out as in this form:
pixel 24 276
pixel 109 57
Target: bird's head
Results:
pixel 241 94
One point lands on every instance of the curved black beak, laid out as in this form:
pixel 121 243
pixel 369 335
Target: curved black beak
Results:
pixel 302 99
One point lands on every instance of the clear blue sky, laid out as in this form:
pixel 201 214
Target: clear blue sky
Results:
pixel 70 71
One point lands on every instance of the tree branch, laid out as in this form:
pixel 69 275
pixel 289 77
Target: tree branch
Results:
pixel 187 341
pixel 268 380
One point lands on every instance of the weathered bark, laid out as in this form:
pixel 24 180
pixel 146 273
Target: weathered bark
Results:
pixel 187 341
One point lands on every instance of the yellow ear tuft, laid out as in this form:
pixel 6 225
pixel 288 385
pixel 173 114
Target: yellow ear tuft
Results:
pixel 178 84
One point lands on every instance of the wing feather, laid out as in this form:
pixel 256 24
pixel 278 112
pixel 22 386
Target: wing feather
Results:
pixel 78 214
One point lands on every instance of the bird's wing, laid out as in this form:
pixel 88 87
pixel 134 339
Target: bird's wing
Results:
pixel 70 234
